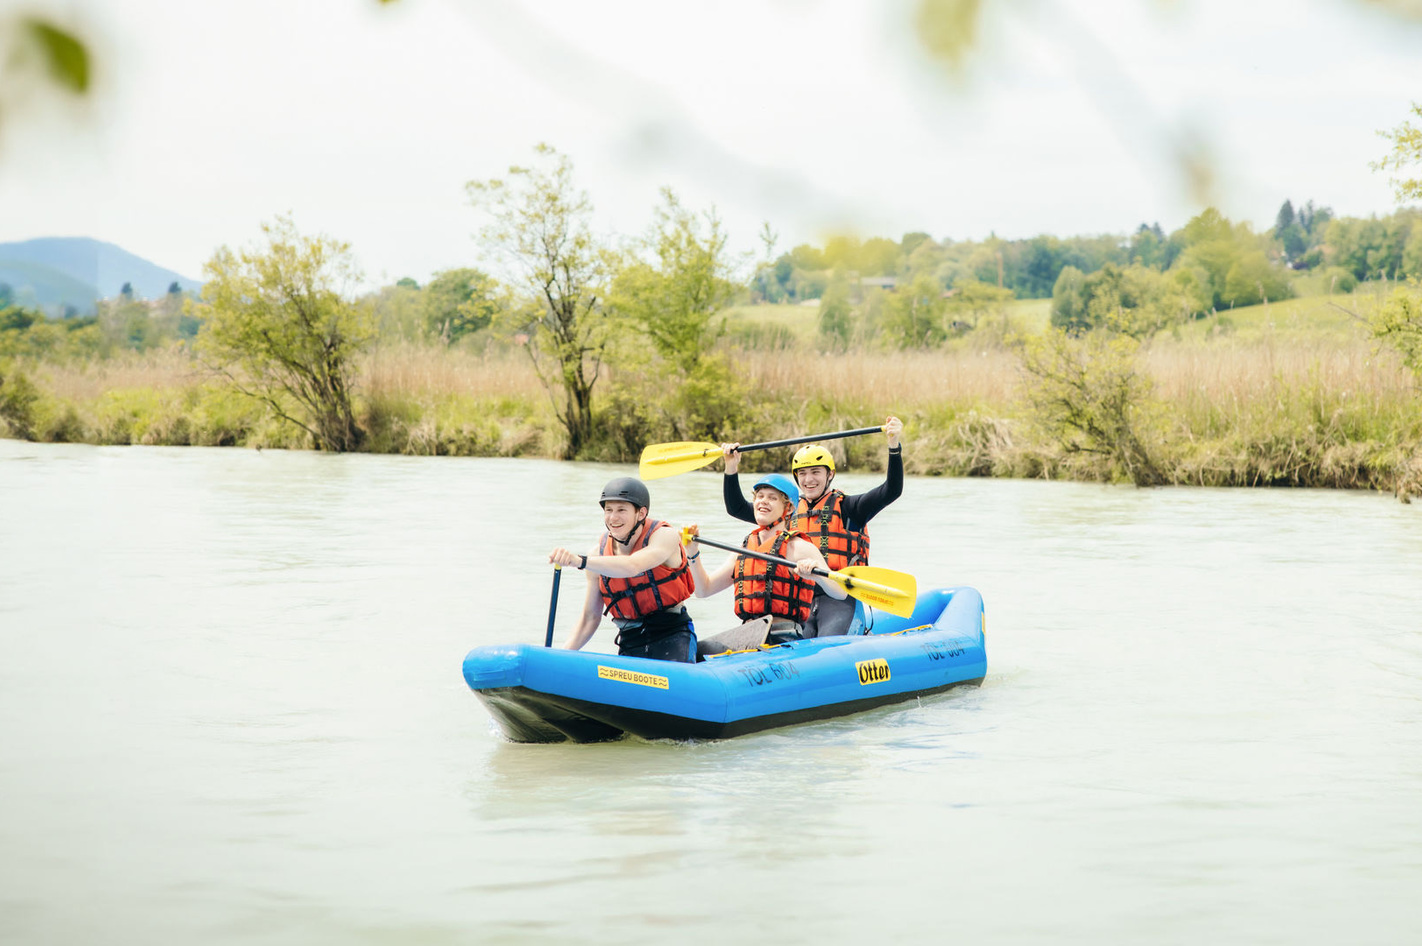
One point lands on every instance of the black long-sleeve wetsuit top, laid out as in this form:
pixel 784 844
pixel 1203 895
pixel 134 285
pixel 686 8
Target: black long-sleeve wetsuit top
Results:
pixel 856 510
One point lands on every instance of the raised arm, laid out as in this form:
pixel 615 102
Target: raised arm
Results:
pixel 736 504
pixel 858 510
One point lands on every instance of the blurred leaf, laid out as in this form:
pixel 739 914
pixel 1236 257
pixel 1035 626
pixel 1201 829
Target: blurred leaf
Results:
pixel 1406 9
pixel 948 29
pixel 1196 165
pixel 66 57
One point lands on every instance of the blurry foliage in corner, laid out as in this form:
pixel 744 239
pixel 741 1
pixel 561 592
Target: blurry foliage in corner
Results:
pixel 948 30
pixel 39 46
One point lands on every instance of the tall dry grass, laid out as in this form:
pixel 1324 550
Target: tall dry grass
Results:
pixel 1238 373
pixel 168 369
pixel 433 371
pixel 897 380
pixel 1241 409
pixel 1219 373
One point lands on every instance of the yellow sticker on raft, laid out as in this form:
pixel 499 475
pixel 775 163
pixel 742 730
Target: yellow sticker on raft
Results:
pixel 872 671
pixel 632 676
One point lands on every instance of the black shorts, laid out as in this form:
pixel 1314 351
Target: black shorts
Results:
pixel 661 635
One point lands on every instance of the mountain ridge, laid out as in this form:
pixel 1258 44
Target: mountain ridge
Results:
pixel 69 274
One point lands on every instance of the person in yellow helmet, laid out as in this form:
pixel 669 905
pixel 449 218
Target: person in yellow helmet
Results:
pixel 835 523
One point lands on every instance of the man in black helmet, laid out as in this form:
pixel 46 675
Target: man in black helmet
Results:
pixel 643 578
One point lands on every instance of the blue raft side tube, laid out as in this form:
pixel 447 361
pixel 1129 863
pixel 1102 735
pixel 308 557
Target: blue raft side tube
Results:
pixel 939 646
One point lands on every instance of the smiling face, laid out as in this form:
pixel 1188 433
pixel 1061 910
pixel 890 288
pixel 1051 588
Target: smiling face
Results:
pixel 770 505
pixel 621 518
pixel 813 481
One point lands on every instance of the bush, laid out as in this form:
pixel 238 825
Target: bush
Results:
pixel 1088 394
pixel 17 403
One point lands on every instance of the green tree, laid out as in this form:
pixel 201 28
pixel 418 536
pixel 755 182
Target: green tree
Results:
pixel 17 401
pixel 808 258
pixel 1088 394
pixel 127 323
pixel 878 257
pixel 973 301
pixel 913 241
pixel 674 294
pixel 398 312
pixel 914 316
pixel 1405 158
pixel 1069 301
pixel 842 253
pixel 459 302
pixel 1252 279
pixel 278 324
pixel 673 290
pixel 541 222
pixel 836 314
pixel 1398 324
pixel 1233 259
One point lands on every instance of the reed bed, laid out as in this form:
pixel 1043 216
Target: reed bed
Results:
pixel 897 380
pixel 77 382
pixel 421 372
pixel 1237 407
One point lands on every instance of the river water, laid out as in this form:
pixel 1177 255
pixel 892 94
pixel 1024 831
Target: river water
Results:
pixel 231 711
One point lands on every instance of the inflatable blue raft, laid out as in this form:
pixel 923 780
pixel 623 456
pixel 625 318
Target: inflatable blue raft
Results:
pixel 540 694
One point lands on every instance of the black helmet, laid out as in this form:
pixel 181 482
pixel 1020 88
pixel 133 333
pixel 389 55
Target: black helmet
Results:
pixel 629 489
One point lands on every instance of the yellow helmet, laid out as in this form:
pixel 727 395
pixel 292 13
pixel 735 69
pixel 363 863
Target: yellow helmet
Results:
pixel 811 455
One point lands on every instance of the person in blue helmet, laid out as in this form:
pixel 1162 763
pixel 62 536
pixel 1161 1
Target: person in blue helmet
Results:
pixel 837 524
pixel 765 590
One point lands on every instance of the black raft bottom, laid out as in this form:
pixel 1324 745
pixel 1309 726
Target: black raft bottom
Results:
pixel 527 715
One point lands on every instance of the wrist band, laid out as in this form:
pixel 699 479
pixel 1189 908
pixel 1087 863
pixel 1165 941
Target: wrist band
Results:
pixel 896 449
pixel 692 558
pixel 584 564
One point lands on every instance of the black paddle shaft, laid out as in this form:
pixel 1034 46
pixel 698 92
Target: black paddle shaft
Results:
pixel 740 550
pixel 794 440
pixel 553 605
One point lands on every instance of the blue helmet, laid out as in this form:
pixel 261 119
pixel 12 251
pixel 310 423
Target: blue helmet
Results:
pixel 783 483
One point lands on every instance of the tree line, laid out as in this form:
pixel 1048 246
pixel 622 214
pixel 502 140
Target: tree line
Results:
pixel 284 322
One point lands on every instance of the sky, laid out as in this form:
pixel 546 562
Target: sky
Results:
pixel 365 121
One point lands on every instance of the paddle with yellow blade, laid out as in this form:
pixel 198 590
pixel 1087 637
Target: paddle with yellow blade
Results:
pixel 669 459
pixel 884 588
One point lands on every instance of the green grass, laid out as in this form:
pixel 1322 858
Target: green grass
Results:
pixel 802 321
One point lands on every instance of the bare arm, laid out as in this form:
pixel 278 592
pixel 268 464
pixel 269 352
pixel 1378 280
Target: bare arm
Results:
pixel 590 618
pixel 808 557
pixel 708 583
pixel 661 549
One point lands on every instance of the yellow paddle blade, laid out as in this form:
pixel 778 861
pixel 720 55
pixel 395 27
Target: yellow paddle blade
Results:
pixel 669 459
pixel 884 588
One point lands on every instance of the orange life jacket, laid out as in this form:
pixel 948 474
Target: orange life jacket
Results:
pixel 825 528
pixel 767 588
pixel 659 587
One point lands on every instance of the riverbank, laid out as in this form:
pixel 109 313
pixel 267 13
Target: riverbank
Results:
pixel 1235 402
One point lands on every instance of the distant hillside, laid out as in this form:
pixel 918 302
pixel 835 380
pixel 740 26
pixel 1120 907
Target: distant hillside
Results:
pixel 43 287
pixel 55 272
